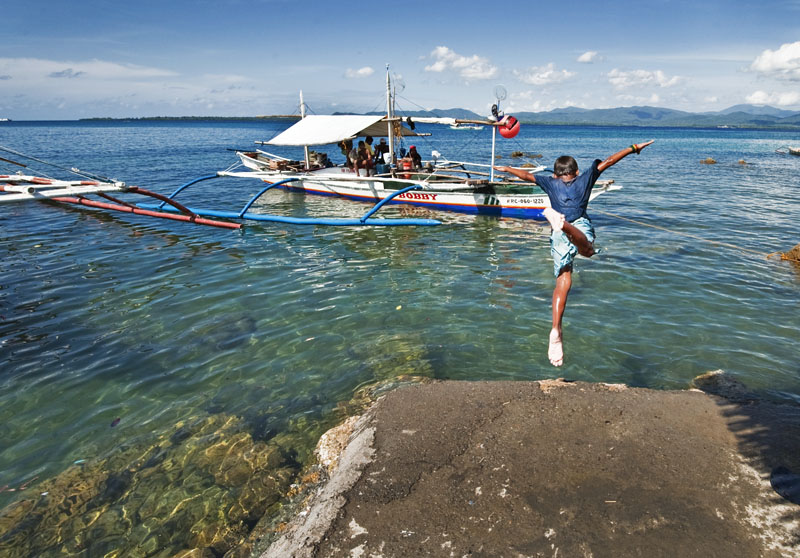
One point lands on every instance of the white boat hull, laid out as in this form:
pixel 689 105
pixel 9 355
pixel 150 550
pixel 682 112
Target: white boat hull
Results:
pixel 476 197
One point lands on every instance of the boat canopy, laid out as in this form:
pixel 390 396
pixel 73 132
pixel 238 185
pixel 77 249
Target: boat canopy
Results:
pixel 327 129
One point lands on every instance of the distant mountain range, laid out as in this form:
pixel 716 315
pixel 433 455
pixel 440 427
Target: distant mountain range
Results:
pixel 738 116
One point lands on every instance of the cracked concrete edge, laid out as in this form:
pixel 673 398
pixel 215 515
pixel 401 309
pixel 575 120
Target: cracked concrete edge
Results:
pixel 306 530
pixel 547 386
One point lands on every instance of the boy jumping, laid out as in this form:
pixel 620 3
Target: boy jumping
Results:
pixel 573 232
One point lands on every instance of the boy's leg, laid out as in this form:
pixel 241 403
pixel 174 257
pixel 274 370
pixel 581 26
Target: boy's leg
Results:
pixel 555 350
pixel 557 221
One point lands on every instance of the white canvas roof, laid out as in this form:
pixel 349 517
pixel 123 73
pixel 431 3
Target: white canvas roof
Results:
pixel 327 129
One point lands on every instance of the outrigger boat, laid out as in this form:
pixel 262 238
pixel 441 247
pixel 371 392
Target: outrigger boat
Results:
pixel 443 184
pixel 26 187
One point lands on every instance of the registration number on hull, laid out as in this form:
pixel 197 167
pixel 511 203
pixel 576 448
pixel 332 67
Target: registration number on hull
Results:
pixel 487 199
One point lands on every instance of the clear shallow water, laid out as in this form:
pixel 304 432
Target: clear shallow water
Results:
pixel 158 323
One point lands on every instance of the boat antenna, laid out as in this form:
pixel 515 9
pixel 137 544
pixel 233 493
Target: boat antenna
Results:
pixel 389 114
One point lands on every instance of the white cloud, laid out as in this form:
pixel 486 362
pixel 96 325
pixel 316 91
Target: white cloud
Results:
pixel 226 78
pixel 637 78
pixel 653 99
pixel 51 88
pixel 366 71
pixel 543 75
pixel 35 68
pixel 782 63
pixel 589 57
pixel 532 101
pixel 790 98
pixel 68 73
pixel 469 67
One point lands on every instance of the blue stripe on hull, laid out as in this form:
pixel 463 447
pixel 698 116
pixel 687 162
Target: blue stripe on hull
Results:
pixel 493 210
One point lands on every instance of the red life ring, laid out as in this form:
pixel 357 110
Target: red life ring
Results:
pixel 509 127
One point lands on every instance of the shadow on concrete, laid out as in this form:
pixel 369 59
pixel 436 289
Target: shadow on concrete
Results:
pixel 768 437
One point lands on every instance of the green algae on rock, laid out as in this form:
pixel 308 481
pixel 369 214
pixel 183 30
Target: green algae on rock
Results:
pixel 196 492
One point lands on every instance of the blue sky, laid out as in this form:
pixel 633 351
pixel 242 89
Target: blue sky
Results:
pixel 67 60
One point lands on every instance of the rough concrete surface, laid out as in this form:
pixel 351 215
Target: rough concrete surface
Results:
pixel 558 469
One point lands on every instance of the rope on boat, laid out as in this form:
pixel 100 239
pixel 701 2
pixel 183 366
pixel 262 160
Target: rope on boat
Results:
pixel 73 170
pixel 792 255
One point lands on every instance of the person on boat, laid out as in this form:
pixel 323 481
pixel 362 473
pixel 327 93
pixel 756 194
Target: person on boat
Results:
pixel 416 158
pixel 346 146
pixel 368 140
pixel 572 231
pixel 382 152
pixel 363 159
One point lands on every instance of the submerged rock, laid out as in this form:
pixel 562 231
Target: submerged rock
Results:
pixel 228 332
pixel 717 382
pixel 786 483
pixel 196 492
pixel 792 255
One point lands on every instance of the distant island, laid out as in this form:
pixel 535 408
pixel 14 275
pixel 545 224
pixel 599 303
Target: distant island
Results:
pixel 197 118
pixel 738 116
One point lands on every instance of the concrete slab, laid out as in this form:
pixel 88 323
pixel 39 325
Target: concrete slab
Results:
pixel 557 469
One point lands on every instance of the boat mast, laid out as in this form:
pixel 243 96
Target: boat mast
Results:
pixel 389 115
pixel 303 115
pixel 494 139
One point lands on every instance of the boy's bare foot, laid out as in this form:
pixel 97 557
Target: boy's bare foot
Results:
pixel 555 218
pixel 555 352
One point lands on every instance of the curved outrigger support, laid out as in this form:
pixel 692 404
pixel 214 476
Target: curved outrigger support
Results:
pixel 365 220
pixel 265 189
pixel 183 187
pixel 186 214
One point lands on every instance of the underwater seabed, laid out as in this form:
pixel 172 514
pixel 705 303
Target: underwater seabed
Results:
pixel 209 487
pixel 205 485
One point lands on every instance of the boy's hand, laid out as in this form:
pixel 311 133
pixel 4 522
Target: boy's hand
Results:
pixel 639 146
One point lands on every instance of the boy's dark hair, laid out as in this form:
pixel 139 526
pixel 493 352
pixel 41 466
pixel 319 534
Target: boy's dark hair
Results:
pixel 565 165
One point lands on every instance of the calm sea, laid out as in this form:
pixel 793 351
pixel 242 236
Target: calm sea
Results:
pixel 147 366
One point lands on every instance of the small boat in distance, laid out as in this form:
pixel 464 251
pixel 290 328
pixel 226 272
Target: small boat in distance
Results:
pixel 441 184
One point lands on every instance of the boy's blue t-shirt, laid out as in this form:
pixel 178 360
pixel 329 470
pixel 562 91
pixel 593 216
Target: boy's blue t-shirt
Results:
pixel 570 199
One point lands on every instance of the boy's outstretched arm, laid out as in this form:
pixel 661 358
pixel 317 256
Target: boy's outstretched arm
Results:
pixel 519 173
pixel 616 157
